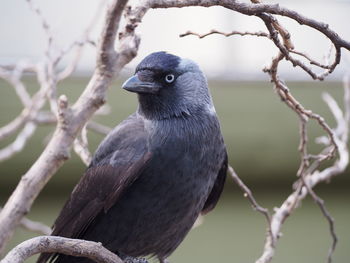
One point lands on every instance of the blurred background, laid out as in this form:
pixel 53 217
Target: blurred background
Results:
pixel 261 133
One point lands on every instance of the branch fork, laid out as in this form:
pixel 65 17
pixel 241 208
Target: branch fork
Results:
pixel 72 121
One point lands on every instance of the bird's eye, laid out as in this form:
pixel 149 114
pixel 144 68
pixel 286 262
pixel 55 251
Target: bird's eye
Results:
pixel 169 78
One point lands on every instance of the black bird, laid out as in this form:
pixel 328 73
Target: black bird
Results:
pixel 153 175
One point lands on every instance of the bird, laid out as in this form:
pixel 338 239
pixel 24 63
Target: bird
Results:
pixel 155 172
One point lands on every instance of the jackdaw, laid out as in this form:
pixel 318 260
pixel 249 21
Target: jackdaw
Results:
pixel 155 173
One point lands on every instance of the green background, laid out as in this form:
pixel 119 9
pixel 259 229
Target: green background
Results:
pixel 261 135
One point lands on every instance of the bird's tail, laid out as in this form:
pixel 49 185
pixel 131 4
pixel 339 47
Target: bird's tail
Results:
pixel 45 257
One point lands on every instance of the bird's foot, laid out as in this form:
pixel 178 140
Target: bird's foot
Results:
pixel 135 260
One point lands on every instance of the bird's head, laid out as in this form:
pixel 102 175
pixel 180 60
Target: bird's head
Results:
pixel 169 86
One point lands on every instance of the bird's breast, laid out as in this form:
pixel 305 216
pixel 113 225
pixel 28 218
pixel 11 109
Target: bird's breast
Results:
pixel 165 200
pixel 186 158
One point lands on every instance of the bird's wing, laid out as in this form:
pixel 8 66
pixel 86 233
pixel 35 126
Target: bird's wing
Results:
pixel 216 191
pixel 105 180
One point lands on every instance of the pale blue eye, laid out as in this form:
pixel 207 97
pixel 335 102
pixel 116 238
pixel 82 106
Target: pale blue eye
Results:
pixel 169 78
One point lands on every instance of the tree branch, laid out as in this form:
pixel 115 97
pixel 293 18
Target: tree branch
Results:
pixel 256 9
pixel 307 172
pixel 70 120
pixel 228 34
pixel 248 193
pixel 58 150
pixel 33 226
pixel 53 244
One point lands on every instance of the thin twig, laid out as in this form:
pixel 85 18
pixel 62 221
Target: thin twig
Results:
pixel 81 147
pixel 248 193
pixel 34 226
pixel 240 33
pixel 18 144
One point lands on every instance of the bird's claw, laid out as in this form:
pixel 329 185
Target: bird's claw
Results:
pixel 135 260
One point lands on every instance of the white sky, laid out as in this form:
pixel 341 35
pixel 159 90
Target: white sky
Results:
pixel 234 57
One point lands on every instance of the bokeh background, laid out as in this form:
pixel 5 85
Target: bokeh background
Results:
pixel 261 133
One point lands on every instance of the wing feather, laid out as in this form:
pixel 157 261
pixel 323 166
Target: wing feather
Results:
pixel 118 162
pixel 216 191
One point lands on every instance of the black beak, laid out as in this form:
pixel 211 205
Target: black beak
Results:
pixel 134 84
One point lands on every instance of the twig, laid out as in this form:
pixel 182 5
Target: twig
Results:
pixel 255 9
pixel 79 45
pixel 320 202
pixel 24 119
pixel 14 78
pixel 34 226
pixel 246 33
pixel 71 121
pixel 312 61
pixel 19 143
pixel 81 147
pixel 249 195
pixel 53 244
pixel 98 127
pixel 308 173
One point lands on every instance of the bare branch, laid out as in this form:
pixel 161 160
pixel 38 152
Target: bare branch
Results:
pixel 36 227
pixel 79 45
pixel 53 244
pixel 312 61
pixel 254 9
pixel 14 78
pixel 14 125
pixel 346 86
pixel 45 25
pixel 308 173
pixel 320 202
pixel 99 128
pixel 249 195
pixel 265 11
pixel 246 33
pixel 33 226
pixel 24 119
pixel 81 147
pixel 57 151
pixel 72 120
pixel 269 22
pixel 19 143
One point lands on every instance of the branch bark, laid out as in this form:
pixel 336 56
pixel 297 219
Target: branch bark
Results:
pixel 34 226
pixel 53 244
pixel 71 121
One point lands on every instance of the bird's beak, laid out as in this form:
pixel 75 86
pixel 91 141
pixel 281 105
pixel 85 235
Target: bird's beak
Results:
pixel 134 84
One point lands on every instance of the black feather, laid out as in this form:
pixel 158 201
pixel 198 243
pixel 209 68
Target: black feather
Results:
pixel 154 173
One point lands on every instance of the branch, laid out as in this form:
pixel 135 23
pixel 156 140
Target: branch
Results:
pixel 53 244
pixel 308 173
pixel 19 143
pixel 98 127
pixel 71 121
pixel 265 11
pixel 13 77
pixel 248 193
pixel 81 147
pixel 33 226
pixel 36 227
pixel 257 9
pixel 79 45
pixel 232 33
pixel 35 103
